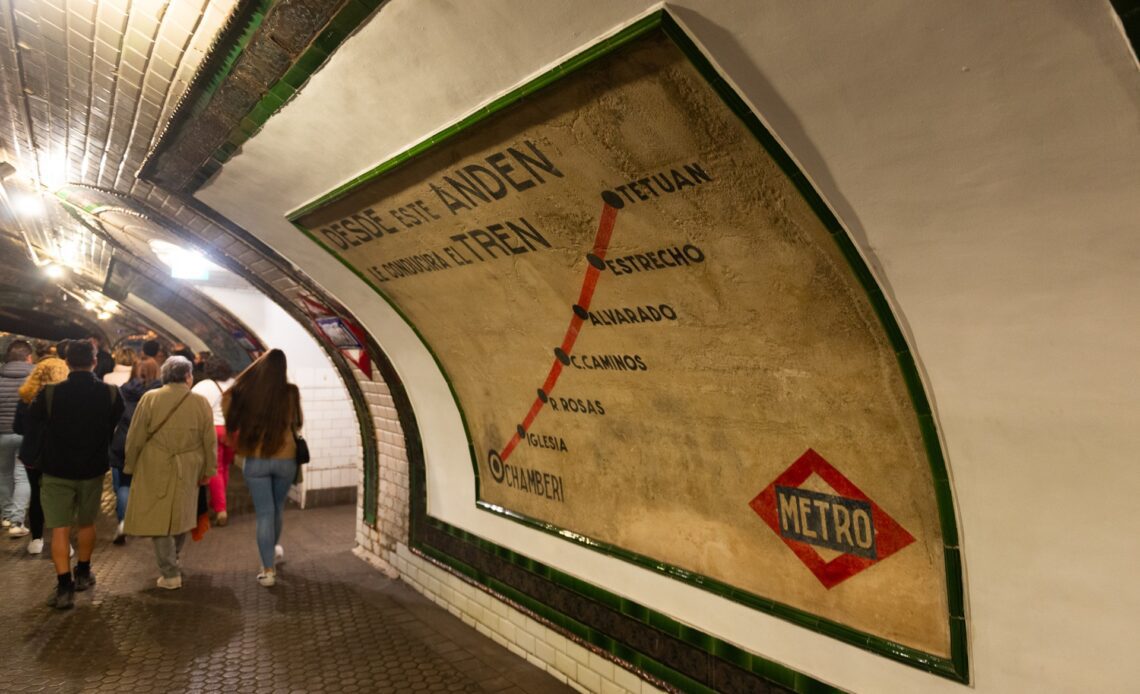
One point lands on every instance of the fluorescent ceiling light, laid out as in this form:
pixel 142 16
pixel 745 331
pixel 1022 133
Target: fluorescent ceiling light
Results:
pixel 28 205
pixel 184 263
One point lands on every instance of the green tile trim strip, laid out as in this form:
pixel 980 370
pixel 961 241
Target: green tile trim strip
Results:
pixel 597 641
pixel 955 667
pixel 257 16
pixel 559 71
pixel 346 21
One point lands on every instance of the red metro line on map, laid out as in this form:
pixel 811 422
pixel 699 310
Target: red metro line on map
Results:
pixel 551 485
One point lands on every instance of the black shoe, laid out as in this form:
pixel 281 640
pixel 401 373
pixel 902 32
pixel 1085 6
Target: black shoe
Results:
pixel 84 581
pixel 62 598
pixel 120 539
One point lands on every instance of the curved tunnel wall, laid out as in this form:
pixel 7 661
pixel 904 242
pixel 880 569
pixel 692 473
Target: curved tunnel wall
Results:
pixel 889 184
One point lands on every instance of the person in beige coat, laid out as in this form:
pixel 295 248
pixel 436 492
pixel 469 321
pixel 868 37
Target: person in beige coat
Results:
pixel 171 451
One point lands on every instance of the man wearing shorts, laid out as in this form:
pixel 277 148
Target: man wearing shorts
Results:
pixel 75 420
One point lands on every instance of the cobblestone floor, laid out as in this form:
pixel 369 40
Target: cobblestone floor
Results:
pixel 331 624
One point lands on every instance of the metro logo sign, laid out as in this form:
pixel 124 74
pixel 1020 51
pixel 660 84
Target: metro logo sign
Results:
pixel 847 522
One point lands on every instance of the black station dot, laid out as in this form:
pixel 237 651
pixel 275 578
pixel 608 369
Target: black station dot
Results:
pixel 522 432
pixel 581 312
pixel 542 395
pixel 562 356
pixel 596 261
pixel 613 199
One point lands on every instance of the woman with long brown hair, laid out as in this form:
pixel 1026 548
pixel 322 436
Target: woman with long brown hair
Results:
pixel 263 412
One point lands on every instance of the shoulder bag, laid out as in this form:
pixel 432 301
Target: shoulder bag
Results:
pixel 150 434
pixel 302 448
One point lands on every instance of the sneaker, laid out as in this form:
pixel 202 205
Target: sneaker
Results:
pixel 62 598
pixel 267 578
pixel 36 545
pixel 84 581
pixel 221 519
pixel 6 523
pixel 278 552
pixel 17 530
pixel 70 551
pixel 169 583
pixel 120 538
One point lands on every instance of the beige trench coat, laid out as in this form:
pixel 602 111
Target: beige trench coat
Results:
pixel 164 489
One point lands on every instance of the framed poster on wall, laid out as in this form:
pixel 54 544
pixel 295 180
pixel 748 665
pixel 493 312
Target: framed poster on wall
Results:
pixel 666 347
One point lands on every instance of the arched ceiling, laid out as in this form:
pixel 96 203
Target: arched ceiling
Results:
pixel 85 92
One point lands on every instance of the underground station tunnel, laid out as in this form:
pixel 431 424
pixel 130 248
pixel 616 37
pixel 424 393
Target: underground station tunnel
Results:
pixel 701 346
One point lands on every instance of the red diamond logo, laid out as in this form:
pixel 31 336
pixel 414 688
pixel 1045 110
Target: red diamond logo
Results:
pixel 848 522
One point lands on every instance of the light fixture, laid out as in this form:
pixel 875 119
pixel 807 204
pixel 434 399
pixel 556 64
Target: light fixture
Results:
pixel 184 263
pixel 104 315
pixel 28 205
pixel 53 174
pixel 55 270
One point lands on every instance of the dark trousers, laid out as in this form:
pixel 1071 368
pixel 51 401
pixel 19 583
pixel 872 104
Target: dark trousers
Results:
pixel 35 509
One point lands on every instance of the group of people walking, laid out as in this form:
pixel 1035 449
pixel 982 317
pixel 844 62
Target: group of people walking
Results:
pixel 165 438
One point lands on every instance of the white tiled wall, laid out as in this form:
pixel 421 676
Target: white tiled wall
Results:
pixel 522 633
pixel 331 430
pixel 385 546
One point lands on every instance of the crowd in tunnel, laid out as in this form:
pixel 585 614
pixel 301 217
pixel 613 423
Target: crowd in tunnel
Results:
pixel 164 423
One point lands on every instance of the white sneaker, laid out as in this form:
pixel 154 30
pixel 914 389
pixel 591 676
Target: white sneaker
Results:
pixel 36 546
pixel 5 523
pixel 70 551
pixel 267 578
pixel 278 552
pixel 17 531
pixel 169 583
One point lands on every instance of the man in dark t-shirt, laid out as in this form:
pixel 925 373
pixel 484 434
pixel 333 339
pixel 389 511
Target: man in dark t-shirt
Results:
pixel 74 421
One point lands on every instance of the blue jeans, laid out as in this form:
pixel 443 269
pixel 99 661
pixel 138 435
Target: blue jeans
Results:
pixel 14 488
pixel 269 481
pixel 121 483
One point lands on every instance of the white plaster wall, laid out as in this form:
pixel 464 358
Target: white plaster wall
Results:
pixel 331 427
pixel 985 157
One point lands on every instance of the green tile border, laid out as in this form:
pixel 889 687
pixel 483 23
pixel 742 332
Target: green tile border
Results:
pixel 350 17
pixel 956 667
pixel 592 638
pixel 257 15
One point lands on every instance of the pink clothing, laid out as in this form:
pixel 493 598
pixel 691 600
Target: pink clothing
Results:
pixel 221 480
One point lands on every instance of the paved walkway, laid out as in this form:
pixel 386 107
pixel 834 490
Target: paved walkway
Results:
pixel 331 624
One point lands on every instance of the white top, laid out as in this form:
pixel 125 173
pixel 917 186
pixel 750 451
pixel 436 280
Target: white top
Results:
pixel 119 376
pixel 212 391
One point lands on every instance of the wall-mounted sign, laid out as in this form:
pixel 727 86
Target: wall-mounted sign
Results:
pixel 247 343
pixel 343 334
pixel 647 325
pixel 831 525
pixel 338 333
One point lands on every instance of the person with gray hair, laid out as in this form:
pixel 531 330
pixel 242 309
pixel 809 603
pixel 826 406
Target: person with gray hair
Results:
pixel 171 452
